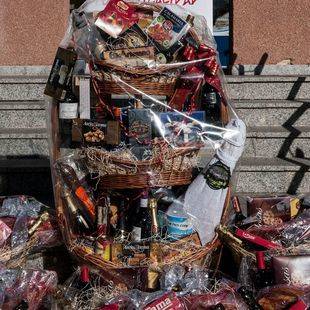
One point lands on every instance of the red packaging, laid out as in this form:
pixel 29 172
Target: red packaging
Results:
pixel 167 302
pixel 256 239
pixel 5 232
pixel 116 17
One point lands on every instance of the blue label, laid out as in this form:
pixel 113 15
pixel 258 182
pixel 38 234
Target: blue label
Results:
pixel 179 226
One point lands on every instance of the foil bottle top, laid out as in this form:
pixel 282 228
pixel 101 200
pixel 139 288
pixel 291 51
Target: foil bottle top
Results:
pixel 84 274
pixel 260 259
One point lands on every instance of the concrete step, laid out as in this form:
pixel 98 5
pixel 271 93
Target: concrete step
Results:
pixel 268 87
pixel 24 142
pixel 270 142
pixel 22 88
pixel 22 114
pixel 31 87
pixel 272 176
pixel 274 112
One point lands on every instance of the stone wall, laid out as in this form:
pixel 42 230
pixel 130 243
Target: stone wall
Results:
pixel 270 31
pixel 31 30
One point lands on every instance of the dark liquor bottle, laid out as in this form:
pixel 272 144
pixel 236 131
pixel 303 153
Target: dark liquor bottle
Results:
pixel 122 231
pixel 142 227
pixel 71 180
pixel 239 217
pixel 263 276
pixel 211 104
pixel 248 298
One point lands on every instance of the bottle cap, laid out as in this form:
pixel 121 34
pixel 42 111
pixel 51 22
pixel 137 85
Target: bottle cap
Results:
pixel 117 112
pixel 260 259
pixel 84 274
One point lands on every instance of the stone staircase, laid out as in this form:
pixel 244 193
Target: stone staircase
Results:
pixel 275 109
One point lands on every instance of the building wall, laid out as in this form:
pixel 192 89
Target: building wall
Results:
pixel 30 31
pixel 271 29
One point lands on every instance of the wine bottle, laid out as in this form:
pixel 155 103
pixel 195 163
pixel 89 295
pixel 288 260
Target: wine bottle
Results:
pixel 68 111
pixel 80 217
pixel 142 227
pixel 211 104
pixel 239 217
pixel 121 227
pixel 263 277
pixel 248 298
pixel 71 180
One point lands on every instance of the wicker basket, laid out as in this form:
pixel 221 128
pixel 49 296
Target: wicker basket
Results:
pixel 171 167
pixel 158 80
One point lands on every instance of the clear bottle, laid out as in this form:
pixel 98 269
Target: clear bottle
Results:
pixel 178 221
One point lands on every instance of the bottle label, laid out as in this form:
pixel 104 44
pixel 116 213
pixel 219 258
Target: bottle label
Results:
pixel 136 234
pixel 68 110
pixel 144 202
pixel 179 226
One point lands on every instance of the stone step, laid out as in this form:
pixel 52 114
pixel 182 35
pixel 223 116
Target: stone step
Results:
pixel 269 142
pixel 22 114
pixel 272 176
pixel 31 87
pixel 274 112
pixel 268 87
pixel 22 88
pixel 24 142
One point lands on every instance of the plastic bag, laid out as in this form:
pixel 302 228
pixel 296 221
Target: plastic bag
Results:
pixel 149 116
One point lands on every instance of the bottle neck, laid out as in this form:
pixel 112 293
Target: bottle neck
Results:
pixel 236 204
pixel 260 260
pixel 84 275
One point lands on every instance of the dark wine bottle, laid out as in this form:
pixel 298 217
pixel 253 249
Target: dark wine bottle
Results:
pixel 263 276
pixel 248 298
pixel 142 227
pixel 239 217
pixel 211 104
pixel 121 227
pixel 68 111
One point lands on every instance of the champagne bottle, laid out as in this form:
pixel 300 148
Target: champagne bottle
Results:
pixel 154 219
pixel 71 180
pixel 83 223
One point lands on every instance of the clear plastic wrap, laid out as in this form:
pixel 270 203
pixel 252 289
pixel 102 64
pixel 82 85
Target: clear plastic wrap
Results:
pixel 26 287
pixel 144 140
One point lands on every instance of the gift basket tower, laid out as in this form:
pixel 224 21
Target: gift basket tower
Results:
pixel 143 138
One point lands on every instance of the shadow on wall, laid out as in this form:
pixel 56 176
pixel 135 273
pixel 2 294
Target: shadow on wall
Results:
pixel 294 133
pixel 257 70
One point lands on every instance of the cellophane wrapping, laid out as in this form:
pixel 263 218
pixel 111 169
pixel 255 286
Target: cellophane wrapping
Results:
pixel 140 117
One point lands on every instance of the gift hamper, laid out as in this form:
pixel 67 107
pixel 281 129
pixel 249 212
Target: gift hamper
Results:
pixel 143 138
